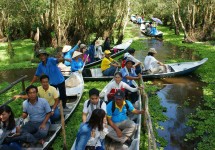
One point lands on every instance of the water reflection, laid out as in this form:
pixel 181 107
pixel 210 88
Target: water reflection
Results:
pixel 165 51
pixel 12 75
pixel 173 97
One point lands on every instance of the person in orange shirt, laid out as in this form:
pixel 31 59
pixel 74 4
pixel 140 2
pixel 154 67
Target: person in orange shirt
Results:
pixel 109 65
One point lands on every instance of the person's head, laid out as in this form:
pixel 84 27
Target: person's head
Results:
pixel 129 63
pixel 119 97
pixel 94 41
pixel 96 119
pixel 42 55
pixel 94 96
pixel 7 117
pixel 83 48
pixel 131 51
pixel 44 80
pixel 107 39
pixel 118 77
pixel 152 52
pixel 31 91
pixel 107 53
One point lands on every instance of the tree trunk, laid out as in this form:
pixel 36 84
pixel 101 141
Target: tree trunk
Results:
pixel 176 25
pixel 187 39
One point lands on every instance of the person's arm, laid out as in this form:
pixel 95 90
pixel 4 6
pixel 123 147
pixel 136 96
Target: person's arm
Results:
pixel 107 92
pixel 85 112
pixel 75 47
pixel 135 111
pixel 126 86
pixel 48 114
pixel 43 125
pixel 84 117
pixel 118 131
pixel 133 78
pixel 33 80
pixel 20 96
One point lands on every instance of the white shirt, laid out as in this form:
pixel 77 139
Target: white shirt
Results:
pixel 132 58
pixel 88 111
pixel 99 135
pixel 114 85
pixel 98 52
pixel 150 62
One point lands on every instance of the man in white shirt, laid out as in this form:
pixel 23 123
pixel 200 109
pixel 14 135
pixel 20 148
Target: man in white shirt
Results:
pixel 152 65
pixel 91 104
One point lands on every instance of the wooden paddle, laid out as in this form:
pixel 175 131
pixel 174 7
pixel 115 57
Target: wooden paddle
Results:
pixel 63 126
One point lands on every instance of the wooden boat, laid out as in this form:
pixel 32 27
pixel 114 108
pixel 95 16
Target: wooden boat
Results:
pixel 121 49
pixel 176 69
pixel 74 91
pixel 109 144
pixel 159 34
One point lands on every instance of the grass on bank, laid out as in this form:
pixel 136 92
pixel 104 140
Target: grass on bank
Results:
pixel 203 120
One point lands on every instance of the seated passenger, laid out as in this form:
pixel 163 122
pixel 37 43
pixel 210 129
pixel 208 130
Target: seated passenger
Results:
pixel 152 65
pixel 50 94
pixel 118 84
pixel 68 51
pixel 121 128
pixel 93 103
pixel 92 132
pixel 128 75
pixel 130 55
pixel 98 50
pixel 108 65
pixel 77 62
pixel 8 129
pixel 39 112
pixel 106 45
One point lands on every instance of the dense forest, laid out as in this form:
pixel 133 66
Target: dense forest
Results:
pixel 57 22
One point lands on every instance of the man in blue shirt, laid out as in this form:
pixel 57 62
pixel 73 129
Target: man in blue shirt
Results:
pixel 128 75
pixel 39 112
pixel 121 128
pixel 48 66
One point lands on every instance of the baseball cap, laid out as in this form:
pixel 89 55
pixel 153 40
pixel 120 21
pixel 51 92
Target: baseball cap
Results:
pixel 119 94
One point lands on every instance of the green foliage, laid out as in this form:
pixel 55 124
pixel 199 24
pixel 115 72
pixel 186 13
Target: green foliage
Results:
pixel 23 53
pixel 156 111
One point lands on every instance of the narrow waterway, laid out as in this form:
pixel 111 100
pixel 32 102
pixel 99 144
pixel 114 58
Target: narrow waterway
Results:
pixel 180 95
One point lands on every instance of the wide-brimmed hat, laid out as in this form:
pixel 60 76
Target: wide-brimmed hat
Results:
pixel 129 60
pixel 66 48
pixel 41 51
pixel 82 46
pixel 107 52
pixel 119 95
pixel 152 50
pixel 76 53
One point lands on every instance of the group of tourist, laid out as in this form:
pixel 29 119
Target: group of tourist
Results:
pixel 132 66
pixel 100 118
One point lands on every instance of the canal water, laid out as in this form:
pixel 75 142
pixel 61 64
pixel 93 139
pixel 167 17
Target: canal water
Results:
pixel 180 95
pixel 175 93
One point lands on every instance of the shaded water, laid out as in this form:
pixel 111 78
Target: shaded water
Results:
pixel 175 93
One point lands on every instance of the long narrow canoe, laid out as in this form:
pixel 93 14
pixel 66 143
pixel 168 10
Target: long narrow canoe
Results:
pixel 159 34
pixel 74 91
pixel 121 49
pixel 113 145
pixel 177 69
